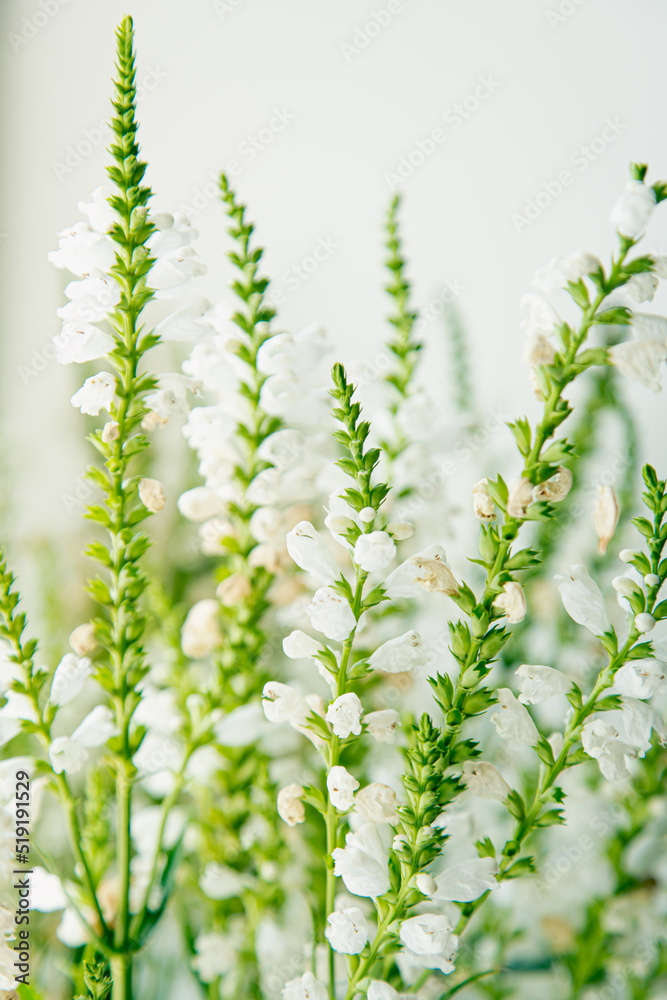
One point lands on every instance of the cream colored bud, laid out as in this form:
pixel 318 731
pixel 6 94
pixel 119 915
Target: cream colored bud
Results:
pixel 400 530
pixel 555 488
pixel 482 502
pixel 83 639
pixel 151 494
pixel 426 884
pixel 520 498
pixel 234 589
pixel 110 431
pixel 435 575
pixel 290 806
pixel 605 516
pixel 152 420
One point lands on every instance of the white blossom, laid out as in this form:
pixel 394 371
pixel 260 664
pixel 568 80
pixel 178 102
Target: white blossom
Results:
pixel 468 881
pixel 403 653
pixel 601 740
pixel 484 780
pixel 374 551
pixel 582 599
pixel 200 504
pixel 344 714
pixel 382 724
pixel 187 324
pixel 512 602
pixel 560 270
pixel 234 589
pixel 101 216
pixel 309 551
pixel 91 299
pixel 216 956
pixel 341 786
pixel 300 646
pixel 69 678
pixel 97 728
pixel 151 494
pixel 281 703
pixel 381 991
pixel 201 632
pixel 175 269
pixel 97 393
pixel 362 863
pixel 66 756
pixel 632 211
pixel 430 937
pixel 290 806
pixel 306 987
pixel 331 614
pixel 347 932
pixel 279 394
pixel 83 251
pixel 644 622
pixel 641 678
pixel 78 343
pixel 640 360
pixel 538 683
pixel 556 488
pixel 83 639
pixel 513 721
pixel 605 516
pixel 484 507
pixel 427 570
pixel 377 803
pixel 641 287
pixel 520 497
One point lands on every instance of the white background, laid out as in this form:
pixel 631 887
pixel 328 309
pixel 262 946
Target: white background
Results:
pixel 214 74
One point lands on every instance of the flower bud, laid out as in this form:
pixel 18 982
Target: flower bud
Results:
pixel 605 516
pixel 290 806
pixel 482 502
pixel 83 639
pixel 644 622
pixel 400 530
pixel 426 884
pixel 151 494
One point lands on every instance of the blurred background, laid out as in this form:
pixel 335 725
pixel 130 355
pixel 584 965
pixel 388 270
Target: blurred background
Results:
pixel 508 126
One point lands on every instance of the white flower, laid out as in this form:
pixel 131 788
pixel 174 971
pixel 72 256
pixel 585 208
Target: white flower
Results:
pixel 347 932
pixel 299 646
pixel 605 516
pixel 377 803
pixel 640 360
pixel 344 714
pixel 538 683
pixel 382 724
pixel 216 956
pixel 641 287
pixel 290 806
pixel 582 599
pixel 187 324
pixel 468 881
pixel 403 653
pixel 482 779
pixel 97 728
pixel 306 987
pixel 234 589
pixel 267 524
pixel 381 991
pixel 47 893
pixel 309 551
pixel 512 602
pixel 513 721
pixel 101 215
pixel 644 622
pixel 428 570
pixel 632 211
pixel 83 251
pixel 430 937
pixel 279 394
pixel 172 233
pixel 374 551
pixel 151 494
pixel 555 488
pixel 66 755
pixel 540 321
pixel 483 506
pixel 96 393
pixel 641 678
pixel 200 504
pixel 362 863
pixel 91 299
pixel 201 632
pixel 78 343
pixel 175 269
pixel 520 497
pixel 69 678
pixel 281 703
pixel 110 431
pixel 170 398
pixel 221 882
pixel 341 786
pixel 637 722
pixel 601 740
pixel 331 614
pixel 426 884
pixel 560 270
